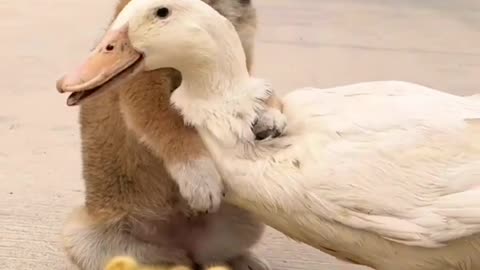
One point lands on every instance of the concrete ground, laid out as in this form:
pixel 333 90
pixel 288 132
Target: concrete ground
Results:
pixel 301 43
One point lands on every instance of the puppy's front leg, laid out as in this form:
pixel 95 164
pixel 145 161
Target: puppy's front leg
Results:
pixel 191 167
pixel 183 153
pixel 199 182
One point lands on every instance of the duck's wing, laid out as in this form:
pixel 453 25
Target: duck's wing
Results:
pixel 399 160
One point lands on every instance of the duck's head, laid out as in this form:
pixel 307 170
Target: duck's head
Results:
pixel 149 35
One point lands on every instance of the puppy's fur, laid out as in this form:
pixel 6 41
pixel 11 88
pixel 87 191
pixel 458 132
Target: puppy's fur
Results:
pixel 132 205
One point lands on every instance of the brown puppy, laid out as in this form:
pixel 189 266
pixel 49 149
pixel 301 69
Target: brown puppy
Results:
pixel 138 172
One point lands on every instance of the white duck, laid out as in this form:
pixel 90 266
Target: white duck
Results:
pixel 384 174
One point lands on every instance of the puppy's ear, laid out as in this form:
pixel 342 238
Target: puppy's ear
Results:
pixel 120 5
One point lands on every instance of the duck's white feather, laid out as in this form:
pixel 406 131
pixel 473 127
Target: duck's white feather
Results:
pixel 385 174
pixel 393 158
pixel 399 160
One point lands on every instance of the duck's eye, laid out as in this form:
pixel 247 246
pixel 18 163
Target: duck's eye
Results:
pixel 163 12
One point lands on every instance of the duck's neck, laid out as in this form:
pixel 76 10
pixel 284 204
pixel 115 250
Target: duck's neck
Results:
pixel 220 98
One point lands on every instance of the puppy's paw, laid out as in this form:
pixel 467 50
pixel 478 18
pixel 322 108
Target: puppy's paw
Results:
pixel 270 123
pixel 200 185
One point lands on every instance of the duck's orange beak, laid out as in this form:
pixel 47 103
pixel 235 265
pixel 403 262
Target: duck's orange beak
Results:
pixel 113 56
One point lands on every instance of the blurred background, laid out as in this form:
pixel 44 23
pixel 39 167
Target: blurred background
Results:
pixel 319 43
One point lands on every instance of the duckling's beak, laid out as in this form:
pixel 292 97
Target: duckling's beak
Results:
pixel 114 57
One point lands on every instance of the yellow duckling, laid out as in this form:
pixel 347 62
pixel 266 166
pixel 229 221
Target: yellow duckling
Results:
pixel 129 263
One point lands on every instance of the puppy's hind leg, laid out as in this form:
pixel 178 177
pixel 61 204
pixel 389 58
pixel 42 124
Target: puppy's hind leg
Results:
pixel 227 237
pixel 90 246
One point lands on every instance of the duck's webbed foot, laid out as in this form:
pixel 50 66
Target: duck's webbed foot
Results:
pixel 271 122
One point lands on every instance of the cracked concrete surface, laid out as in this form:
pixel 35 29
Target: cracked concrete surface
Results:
pixel 300 43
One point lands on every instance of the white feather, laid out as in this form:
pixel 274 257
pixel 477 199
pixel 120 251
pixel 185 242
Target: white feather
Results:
pixel 385 174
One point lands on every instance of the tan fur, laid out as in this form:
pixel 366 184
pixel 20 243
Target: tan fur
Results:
pixel 132 206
